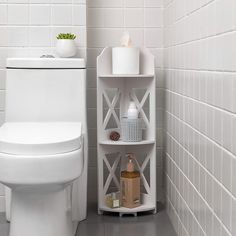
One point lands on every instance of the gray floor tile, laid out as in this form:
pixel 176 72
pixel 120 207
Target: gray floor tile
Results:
pixel 97 229
pixel 2 218
pixel 4 229
pixel 138 229
pixel 154 225
pixel 113 225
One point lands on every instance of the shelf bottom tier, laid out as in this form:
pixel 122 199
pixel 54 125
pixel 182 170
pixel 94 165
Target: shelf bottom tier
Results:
pixel 124 210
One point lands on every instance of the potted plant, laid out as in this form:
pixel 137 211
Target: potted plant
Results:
pixel 65 46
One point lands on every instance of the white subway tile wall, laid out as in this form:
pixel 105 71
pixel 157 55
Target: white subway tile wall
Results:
pixel 28 29
pixel 200 115
pixel 106 22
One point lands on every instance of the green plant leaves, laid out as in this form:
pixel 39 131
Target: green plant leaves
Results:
pixel 66 36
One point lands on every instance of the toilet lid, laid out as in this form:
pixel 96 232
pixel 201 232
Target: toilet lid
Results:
pixel 26 138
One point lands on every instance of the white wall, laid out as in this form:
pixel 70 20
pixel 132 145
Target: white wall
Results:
pixel 200 114
pixel 29 28
pixel 106 21
pixel 199 89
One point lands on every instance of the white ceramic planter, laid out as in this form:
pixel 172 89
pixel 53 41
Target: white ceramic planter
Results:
pixel 125 60
pixel 66 48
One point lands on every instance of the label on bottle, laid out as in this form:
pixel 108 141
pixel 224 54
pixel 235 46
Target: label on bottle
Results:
pixel 130 189
pixel 116 203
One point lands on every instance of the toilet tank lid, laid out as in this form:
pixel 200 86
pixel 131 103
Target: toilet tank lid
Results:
pixel 46 63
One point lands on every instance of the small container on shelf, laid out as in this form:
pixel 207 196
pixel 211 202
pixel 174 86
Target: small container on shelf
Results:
pixel 132 129
pixel 132 126
pixel 113 200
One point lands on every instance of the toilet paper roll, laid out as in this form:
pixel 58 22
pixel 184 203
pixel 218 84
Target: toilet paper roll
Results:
pixel 125 60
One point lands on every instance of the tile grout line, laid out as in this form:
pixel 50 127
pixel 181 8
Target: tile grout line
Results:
pixel 204 135
pixel 190 210
pixel 193 186
pixel 200 164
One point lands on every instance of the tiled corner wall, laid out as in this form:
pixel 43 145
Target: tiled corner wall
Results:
pixel 200 114
pixel 29 27
pixel 106 22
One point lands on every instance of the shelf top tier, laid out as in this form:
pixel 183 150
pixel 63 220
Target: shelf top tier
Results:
pixel 126 76
pixel 104 64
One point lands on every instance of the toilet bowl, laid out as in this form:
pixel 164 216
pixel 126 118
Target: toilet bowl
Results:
pixel 44 146
pixel 38 161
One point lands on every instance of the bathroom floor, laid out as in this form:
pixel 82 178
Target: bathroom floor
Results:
pixel 112 225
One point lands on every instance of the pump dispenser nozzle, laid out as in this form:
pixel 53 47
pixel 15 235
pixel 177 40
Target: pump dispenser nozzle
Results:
pixel 130 165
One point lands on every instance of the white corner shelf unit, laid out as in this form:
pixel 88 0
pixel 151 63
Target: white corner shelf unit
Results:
pixel 114 93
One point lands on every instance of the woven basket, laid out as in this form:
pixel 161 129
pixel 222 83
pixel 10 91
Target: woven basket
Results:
pixel 132 129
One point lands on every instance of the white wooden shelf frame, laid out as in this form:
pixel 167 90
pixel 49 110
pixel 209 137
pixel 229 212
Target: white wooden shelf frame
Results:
pixel 114 93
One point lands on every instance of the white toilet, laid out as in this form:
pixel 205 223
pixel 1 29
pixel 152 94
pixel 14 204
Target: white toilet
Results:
pixel 43 146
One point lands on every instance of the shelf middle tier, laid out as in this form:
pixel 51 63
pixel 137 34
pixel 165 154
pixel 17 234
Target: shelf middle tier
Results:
pixel 122 143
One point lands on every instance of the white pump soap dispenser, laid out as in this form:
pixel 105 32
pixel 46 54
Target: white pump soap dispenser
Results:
pixel 132 111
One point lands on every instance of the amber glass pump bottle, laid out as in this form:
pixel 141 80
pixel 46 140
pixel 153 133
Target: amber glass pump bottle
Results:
pixel 130 184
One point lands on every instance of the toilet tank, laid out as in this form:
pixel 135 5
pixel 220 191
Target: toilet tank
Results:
pixel 50 90
pixel 40 89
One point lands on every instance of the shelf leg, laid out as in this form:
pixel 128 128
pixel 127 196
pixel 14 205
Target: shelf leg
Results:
pixel 134 214
pixel 100 212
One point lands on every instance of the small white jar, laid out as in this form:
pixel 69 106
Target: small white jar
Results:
pixel 66 48
pixel 125 60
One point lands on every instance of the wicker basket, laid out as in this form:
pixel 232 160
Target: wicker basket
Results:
pixel 132 129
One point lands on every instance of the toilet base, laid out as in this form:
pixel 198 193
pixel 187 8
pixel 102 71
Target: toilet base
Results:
pixel 35 213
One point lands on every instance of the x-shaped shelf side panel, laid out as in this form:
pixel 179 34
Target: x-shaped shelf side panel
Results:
pixel 112 175
pixel 140 105
pixel 141 170
pixel 111 110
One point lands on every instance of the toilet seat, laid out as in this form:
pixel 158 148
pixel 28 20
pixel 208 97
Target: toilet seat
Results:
pixel 40 138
